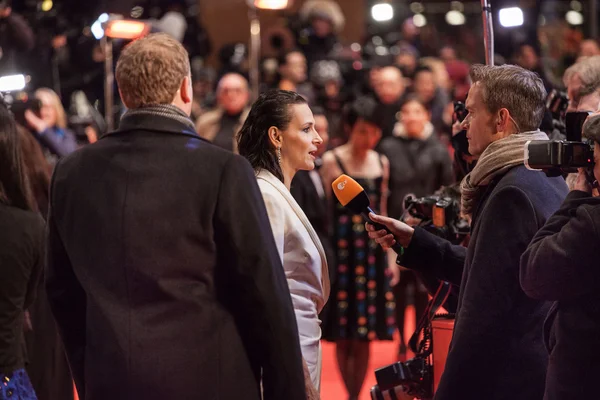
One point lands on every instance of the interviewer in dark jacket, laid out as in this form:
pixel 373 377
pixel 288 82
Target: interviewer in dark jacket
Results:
pixel 163 273
pixel 497 351
pixel 561 265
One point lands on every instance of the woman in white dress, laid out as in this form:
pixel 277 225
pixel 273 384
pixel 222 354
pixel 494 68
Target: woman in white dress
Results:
pixel 279 139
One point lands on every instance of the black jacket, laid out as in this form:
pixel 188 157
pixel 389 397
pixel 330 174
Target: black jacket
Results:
pixel 497 350
pixel 21 264
pixel 561 264
pixel 163 273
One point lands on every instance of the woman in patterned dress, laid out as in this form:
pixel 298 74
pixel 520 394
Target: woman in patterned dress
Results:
pixel 361 303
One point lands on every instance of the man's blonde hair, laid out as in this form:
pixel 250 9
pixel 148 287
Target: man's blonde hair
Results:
pixel 150 70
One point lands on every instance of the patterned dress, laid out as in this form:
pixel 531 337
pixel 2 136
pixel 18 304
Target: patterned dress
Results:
pixel 361 305
pixel 16 386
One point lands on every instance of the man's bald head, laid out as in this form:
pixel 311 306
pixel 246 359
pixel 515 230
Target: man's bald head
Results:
pixel 390 85
pixel 233 93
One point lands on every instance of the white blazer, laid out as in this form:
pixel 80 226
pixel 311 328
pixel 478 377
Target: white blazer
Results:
pixel 304 262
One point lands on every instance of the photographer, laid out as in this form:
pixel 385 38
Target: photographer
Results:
pixel 497 350
pixel 50 127
pixel 561 264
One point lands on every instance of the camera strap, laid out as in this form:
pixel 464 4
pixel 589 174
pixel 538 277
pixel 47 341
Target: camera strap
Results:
pixel 438 300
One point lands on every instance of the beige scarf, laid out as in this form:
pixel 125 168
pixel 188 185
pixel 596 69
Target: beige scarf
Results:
pixel 496 159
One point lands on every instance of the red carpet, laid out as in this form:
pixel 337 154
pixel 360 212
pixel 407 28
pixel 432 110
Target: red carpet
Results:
pixel 382 354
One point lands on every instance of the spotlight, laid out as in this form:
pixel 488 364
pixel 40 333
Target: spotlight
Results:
pixel 419 20
pixel 270 4
pixel 97 29
pixel 382 12
pixel 123 29
pixel 510 17
pixel 455 17
pixel 574 17
pixel 12 83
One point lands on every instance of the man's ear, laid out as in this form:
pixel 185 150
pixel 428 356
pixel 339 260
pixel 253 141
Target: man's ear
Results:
pixel 275 137
pixel 186 90
pixel 123 98
pixel 502 120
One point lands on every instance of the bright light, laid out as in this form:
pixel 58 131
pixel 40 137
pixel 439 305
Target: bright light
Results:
pixel 47 5
pixel 271 4
pixel 419 20
pixel 574 17
pixel 122 29
pixel 510 17
pixel 356 47
pixel 12 83
pixel 382 12
pixel 455 18
pixel 97 29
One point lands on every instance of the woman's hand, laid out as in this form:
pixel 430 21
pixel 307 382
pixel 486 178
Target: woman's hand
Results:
pixel 35 122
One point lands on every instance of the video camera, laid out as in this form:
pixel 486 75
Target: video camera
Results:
pixel 558 157
pixel 13 94
pixel 440 214
pixel 414 377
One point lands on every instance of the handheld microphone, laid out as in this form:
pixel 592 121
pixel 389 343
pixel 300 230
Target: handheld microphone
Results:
pixel 352 196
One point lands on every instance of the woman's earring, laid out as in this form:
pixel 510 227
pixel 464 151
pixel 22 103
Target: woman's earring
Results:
pixel 279 155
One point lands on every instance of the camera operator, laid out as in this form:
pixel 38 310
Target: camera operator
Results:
pixel 561 264
pixel 50 127
pixel 497 350
pixel 16 37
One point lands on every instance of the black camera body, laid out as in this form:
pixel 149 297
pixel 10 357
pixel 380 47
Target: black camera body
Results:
pixel 556 157
pixel 20 103
pixel 413 377
pixel 440 215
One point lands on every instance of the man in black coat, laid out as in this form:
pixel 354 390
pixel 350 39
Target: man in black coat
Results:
pixel 561 265
pixel 497 350
pixel 163 274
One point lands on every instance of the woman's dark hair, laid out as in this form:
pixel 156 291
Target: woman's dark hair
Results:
pixel 38 169
pixel 271 109
pixel 14 185
pixel 363 108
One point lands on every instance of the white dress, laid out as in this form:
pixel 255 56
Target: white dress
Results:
pixel 305 266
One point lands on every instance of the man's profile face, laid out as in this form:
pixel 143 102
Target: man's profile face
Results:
pixel 479 123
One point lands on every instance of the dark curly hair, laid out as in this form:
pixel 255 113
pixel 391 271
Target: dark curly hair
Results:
pixel 271 109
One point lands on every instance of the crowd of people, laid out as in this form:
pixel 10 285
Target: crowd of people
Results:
pixel 178 267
